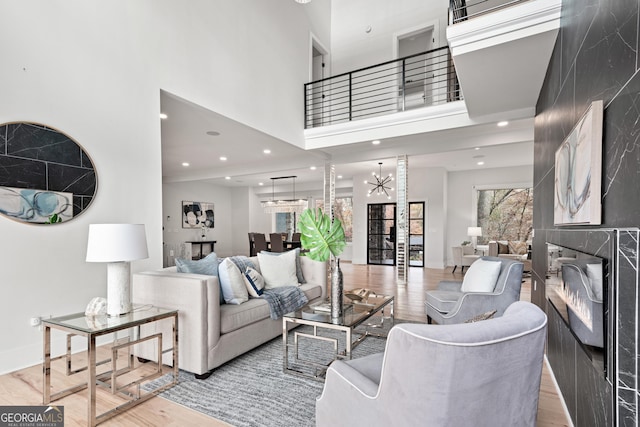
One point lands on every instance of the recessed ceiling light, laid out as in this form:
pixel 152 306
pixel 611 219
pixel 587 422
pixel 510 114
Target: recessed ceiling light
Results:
pixel 375 142
pixel 503 123
pixel 261 183
pixel 480 163
pixel 185 164
pixel 213 133
pixel 266 151
pixel 477 148
pixel 227 177
pixel 339 176
pixel 163 116
pixel 223 158
pixel 312 168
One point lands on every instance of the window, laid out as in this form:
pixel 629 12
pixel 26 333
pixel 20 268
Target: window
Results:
pixel 343 211
pixel 505 214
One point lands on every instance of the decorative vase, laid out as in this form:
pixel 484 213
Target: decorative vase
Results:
pixel 336 292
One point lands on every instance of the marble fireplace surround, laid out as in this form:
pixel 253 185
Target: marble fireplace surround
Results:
pixel 619 246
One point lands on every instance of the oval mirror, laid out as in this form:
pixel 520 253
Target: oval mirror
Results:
pixel 45 176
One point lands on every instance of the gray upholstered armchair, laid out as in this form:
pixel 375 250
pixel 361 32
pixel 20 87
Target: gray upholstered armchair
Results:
pixel 485 374
pixel 449 304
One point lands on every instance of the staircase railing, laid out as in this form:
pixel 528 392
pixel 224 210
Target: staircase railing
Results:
pixel 420 80
pixel 461 10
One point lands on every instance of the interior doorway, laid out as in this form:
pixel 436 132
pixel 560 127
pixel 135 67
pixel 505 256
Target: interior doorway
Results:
pixel 319 71
pixel 420 72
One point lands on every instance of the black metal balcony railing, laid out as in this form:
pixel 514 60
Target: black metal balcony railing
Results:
pixel 461 10
pixel 424 79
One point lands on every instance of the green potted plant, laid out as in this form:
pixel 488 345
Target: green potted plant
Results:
pixel 323 238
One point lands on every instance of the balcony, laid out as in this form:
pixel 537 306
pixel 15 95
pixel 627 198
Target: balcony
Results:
pixel 420 80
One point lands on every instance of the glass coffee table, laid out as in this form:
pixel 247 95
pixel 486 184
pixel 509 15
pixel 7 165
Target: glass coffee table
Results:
pixel 356 314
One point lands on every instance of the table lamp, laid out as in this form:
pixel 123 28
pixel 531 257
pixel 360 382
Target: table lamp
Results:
pixel 474 233
pixel 117 245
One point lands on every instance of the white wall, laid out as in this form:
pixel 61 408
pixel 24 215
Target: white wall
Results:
pixel 94 70
pixel 461 210
pixel 353 48
pixel 425 185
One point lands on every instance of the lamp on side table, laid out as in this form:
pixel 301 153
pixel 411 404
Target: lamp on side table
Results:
pixel 117 245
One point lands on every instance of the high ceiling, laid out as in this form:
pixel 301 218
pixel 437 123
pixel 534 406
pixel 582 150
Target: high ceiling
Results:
pixel 185 138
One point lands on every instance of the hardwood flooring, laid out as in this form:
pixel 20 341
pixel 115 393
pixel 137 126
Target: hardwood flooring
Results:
pixel 24 387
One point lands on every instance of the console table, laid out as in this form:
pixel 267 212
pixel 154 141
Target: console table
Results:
pixel 93 327
pixel 201 243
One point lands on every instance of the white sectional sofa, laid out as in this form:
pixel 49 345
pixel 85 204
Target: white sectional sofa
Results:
pixel 210 333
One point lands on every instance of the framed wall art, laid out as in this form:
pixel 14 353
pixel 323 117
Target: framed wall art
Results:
pixel 578 172
pixel 197 215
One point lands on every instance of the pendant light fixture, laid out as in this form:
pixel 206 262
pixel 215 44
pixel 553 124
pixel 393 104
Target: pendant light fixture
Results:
pixel 381 185
pixel 284 206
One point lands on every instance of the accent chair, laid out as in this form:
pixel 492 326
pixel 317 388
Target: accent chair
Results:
pixel 463 256
pixel 453 303
pixel 483 374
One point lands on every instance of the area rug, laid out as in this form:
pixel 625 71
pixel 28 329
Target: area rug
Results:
pixel 253 390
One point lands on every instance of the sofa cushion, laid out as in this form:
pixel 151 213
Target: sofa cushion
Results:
pixel 234 317
pixel 207 265
pixel 232 283
pixel 299 274
pixel 443 301
pixel 516 247
pixel 254 282
pixel 278 270
pixel 481 276
pixel 503 248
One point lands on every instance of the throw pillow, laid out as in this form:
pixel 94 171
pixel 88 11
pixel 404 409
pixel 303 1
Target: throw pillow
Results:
pixel 254 282
pixel 503 248
pixel 207 265
pixel 516 247
pixel 594 273
pixel 278 270
pixel 232 283
pixel 481 276
pixel 483 316
pixel 299 274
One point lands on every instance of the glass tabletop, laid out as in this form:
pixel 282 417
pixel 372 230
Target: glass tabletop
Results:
pixel 354 312
pixel 103 324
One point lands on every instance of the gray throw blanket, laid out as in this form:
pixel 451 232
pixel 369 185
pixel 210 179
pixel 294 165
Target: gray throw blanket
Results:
pixel 242 262
pixel 284 300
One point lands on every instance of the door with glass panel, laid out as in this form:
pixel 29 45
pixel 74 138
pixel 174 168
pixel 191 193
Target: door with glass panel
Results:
pixel 381 230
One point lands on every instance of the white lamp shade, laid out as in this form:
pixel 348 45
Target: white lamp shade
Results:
pixel 116 242
pixel 474 231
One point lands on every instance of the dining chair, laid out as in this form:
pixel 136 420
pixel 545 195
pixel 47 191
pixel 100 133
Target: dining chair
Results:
pixel 259 242
pixel 277 244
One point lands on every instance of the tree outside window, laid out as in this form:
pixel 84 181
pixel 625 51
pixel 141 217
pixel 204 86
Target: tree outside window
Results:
pixel 505 214
pixel 343 210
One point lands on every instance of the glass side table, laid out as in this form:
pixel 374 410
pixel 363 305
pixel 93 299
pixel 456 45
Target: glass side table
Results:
pixel 92 327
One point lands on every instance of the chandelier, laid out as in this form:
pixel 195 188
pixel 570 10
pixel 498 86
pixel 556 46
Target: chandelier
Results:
pixel 381 184
pixel 284 206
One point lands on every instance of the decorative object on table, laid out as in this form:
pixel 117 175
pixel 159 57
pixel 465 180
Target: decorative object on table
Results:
pixel 578 172
pixel 117 245
pixel 197 215
pixel 359 294
pixel 96 307
pixel 292 205
pixel 465 243
pixel 381 184
pixel 51 174
pixel 474 233
pixel 323 238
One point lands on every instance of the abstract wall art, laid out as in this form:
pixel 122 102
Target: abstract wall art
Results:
pixel 45 176
pixel 197 215
pixel 578 172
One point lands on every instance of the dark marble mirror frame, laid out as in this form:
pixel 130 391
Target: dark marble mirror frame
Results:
pixel 45 175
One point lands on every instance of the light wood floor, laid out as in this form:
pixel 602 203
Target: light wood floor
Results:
pixel 24 387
